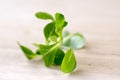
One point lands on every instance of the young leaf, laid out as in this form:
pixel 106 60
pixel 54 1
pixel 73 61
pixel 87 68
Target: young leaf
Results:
pixel 44 15
pixel 60 20
pixel 28 53
pixel 59 57
pixel 69 62
pixel 74 41
pixel 49 32
pixel 60 23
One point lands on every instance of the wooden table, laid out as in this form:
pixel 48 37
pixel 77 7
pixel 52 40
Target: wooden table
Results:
pixel 97 20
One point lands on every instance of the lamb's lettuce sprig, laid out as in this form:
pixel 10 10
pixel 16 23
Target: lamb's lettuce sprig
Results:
pixel 56 40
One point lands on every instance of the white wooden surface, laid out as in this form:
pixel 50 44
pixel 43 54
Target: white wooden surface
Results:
pixel 97 20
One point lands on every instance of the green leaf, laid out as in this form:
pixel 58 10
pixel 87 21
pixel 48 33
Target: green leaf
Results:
pixel 77 41
pixel 74 41
pixel 44 15
pixel 60 23
pixel 28 52
pixel 48 52
pixel 49 32
pixel 60 20
pixel 49 58
pixel 69 62
pixel 59 57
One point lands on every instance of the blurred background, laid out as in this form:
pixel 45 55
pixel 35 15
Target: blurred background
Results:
pixel 97 20
pixel 90 17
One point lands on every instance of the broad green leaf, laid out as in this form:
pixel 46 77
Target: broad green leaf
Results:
pixel 44 15
pixel 59 57
pixel 69 62
pixel 28 52
pixel 49 58
pixel 49 32
pixel 74 41
pixel 49 29
pixel 48 52
pixel 60 23
pixel 60 20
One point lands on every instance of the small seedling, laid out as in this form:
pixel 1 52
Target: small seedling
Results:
pixel 56 40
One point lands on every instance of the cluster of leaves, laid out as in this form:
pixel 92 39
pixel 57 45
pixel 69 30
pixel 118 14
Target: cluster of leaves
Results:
pixel 56 39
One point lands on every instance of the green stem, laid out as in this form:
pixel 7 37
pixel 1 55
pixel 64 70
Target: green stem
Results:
pixel 56 46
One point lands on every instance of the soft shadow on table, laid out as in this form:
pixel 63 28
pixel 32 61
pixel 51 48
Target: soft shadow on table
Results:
pixel 35 63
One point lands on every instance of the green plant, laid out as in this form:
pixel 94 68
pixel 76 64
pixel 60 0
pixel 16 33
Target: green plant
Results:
pixel 56 39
